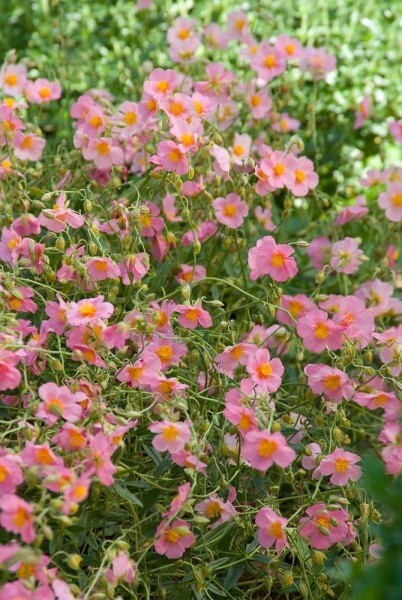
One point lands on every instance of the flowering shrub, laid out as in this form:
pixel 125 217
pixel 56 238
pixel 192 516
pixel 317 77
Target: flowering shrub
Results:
pixel 198 343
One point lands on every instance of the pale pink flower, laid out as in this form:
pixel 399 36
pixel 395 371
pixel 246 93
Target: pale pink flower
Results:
pixel 141 373
pixel 297 306
pixel 190 273
pixel 10 474
pixel 271 529
pixel 29 147
pixel 187 460
pixel 376 295
pixel 311 461
pixel 317 61
pixel 99 460
pixel 10 377
pixel 136 265
pixel 161 83
pixel 391 202
pixel 103 152
pixel 319 252
pixel 16 517
pixel 171 436
pixel 268 62
pixel 129 119
pixel 270 258
pixel 171 157
pixel 123 570
pixel 173 540
pixel 100 269
pixel 395 129
pixel 232 356
pixel 264 218
pixel 363 112
pixel 353 211
pixel 221 163
pixel 168 351
pixel 241 148
pixel 88 310
pixel 330 381
pixel 324 527
pixel 341 465
pixel 237 24
pixel 188 134
pixel 56 311
pixel 191 316
pixel 346 255
pixel 177 106
pixel 356 319
pixel 216 509
pixel 42 91
pixel 284 123
pixel 262 449
pixel 80 108
pixel 13 78
pixel 318 331
pixel 289 47
pixel 179 500
pixel 58 402
pixel 230 211
pixel 215 36
pixel 260 103
pixel 302 177
pixel 277 170
pixel 10 245
pixel 59 216
pixel 265 372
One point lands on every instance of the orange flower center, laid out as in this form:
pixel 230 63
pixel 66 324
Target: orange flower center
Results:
pixel 213 510
pixel 255 100
pixel 332 382
pixel 192 314
pixel 172 536
pixel 397 200
pixel 275 529
pixel 290 49
pixel 277 259
pixel 76 439
pixel 266 448
pixel 15 303
pixel 175 155
pixel 80 492
pixel 300 176
pixel 176 108
pixel 237 352
pixel 295 307
pixel 279 169
pixel 44 93
pixel 11 79
pixel 321 331
pixel 341 465
pixel 3 473
pixel 238 150
pixel 135 372
pixel 165 353
pixel 5 164
pixel 103 148
pixel 245 422
pixel 183 34
pixel 198 106
pixel 44 457
pixel 27 142
pixel 170 433
pixel 24 571
pixel 130 118
pixel 264 370
pixel 270 61
pixel 21 517
pixel 95 121
pixel 380 400
pixel 187 139
pixel 230 210
pixel 323 521
pixel 100 265
pixel 162 86
pixel 87 309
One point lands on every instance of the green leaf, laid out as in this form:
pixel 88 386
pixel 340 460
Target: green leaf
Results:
pixel 129 496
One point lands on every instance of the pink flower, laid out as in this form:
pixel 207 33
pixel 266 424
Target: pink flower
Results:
pixel 271 529
pixel 177 106
pixel 262 449
pixel 75 493
pixel 128 116
pixel 100 451
pixel 311 459
pixel 168 351
pixel 302 176
pixel 232 356
pixel 230 211
pixel 346 256
pixel 58 402
pixel 353 211
pixel 171 157
pixel 171 436
pixel 10 246
pixel 161 83
pixel 266 373
pixel 123 570
pixel 356 319
pixel 10 377
pixel 56 311
pixel 289 47
pixel 260 103
pixel 187 460
pixel 88 310
pixel 136 265
pixel 214 508
pixel 297 306
pixel 222 161
pixel 16 517
pixel 317 62
pixel 270 258
pixel 178 501
pixel 191 316
pixel 391 202
pixel 173 540
pixel 324 527
pixel 10 474
pixel 42 91
pixel 142 373
pixel 319 252
pixel 103 153
pixel 29 147
pixel 100 269
pixel 13 78
pixel 264 217
pixel 363 112
pixel 318 331
pixel 56 218
pixel 395 129
pixel 279 171
pixel 268 61
pixel 241 148
pixel 341 465
pixel 331 382
pixel 237 24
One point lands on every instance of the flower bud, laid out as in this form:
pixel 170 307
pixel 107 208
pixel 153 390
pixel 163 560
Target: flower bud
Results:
pixel 74 561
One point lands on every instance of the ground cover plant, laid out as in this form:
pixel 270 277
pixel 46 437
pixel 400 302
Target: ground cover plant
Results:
pixel 200 327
